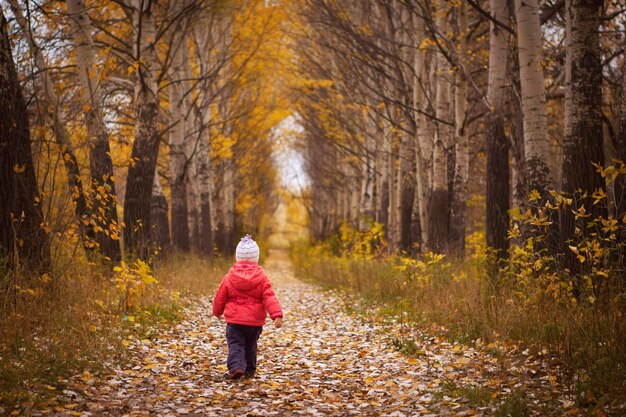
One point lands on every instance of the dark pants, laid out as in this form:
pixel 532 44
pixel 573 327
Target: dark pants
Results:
pixel 242 347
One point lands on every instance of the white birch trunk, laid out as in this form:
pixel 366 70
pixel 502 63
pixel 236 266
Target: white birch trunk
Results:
pixel 498 186
pixel 392 221
pixel 192 153
pixel 530 51
pixel 423 144
pixel 461 149
pixel 178 160
pixel 101 165
pixel 229 201
pixel 440 202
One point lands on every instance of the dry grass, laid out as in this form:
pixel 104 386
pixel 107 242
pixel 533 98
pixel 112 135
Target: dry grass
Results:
pixel 589 342
pixel 69 320
pixel 52 325
pixel 191 274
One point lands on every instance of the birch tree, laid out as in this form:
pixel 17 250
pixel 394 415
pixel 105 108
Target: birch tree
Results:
pixel 536 144
pixel 178 159
pixel 107 234
pixel 145 150
pixel 160 241
pixel 440 198
pixel 498 183
pixel 423 142
pixel 461 147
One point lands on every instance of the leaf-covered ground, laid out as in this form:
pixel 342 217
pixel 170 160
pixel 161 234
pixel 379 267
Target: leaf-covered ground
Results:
pixel 324 361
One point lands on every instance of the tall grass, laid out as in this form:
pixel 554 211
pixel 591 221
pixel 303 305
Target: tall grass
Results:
pixel 589 341
pixel 71 319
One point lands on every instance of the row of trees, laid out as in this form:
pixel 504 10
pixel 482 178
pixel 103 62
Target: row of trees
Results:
pixel 411 107
pixel 150 106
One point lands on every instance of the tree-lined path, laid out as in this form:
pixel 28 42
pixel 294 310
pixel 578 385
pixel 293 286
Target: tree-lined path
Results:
pixel 460 162
pixel 323 362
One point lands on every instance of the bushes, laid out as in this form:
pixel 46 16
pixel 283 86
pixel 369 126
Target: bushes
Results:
pixel 543 313
pixel 79 316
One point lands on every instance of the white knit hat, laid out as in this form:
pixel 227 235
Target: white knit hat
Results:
pixel 247 250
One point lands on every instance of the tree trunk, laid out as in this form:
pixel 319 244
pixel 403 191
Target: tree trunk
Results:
pixel 392 225
pixel 226 217
pixel 408 234
pixel 404 198
pixel 530 51
pixel 192 152
pixel 423 146
pixel 193 197
pixel 461 150
pixel 583 130
pixel 202 133
pixel 519 185
pixel 383 187
pixel 203 119
pixel 53 114
pixel 145 150
pixel 620 184
pixel 498 182
pixel 178 182
pixel 160 230
pixel 104 198
pixel 366 200
pixel 365 197
pixel 439 207
pixel 23 237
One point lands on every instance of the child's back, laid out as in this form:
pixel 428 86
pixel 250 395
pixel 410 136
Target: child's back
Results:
pixel 245 297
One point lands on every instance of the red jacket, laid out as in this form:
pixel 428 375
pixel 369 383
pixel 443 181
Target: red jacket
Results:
pixel 246 296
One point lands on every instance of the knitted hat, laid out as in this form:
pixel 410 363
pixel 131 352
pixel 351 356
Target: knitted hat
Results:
pixel 247 250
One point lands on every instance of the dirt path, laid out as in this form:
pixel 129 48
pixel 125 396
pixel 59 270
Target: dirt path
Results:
pixel 323 362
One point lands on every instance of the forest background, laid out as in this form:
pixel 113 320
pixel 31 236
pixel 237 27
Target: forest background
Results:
pixel 461 162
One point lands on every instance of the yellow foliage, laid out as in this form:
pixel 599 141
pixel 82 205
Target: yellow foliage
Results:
pixel 536 270
pixel 132 284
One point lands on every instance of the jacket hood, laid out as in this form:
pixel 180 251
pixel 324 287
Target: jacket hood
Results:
pixel 246 275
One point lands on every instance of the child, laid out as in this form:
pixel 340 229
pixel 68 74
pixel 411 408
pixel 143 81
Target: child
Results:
pixel 245 297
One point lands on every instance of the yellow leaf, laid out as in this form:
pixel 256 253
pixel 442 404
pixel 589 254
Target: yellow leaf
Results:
pixel 86 107
pixel 534 195
pixel 412 361
pixel 148 279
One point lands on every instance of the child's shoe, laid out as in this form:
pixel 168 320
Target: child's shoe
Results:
pixel 248 375
pixel 236 374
